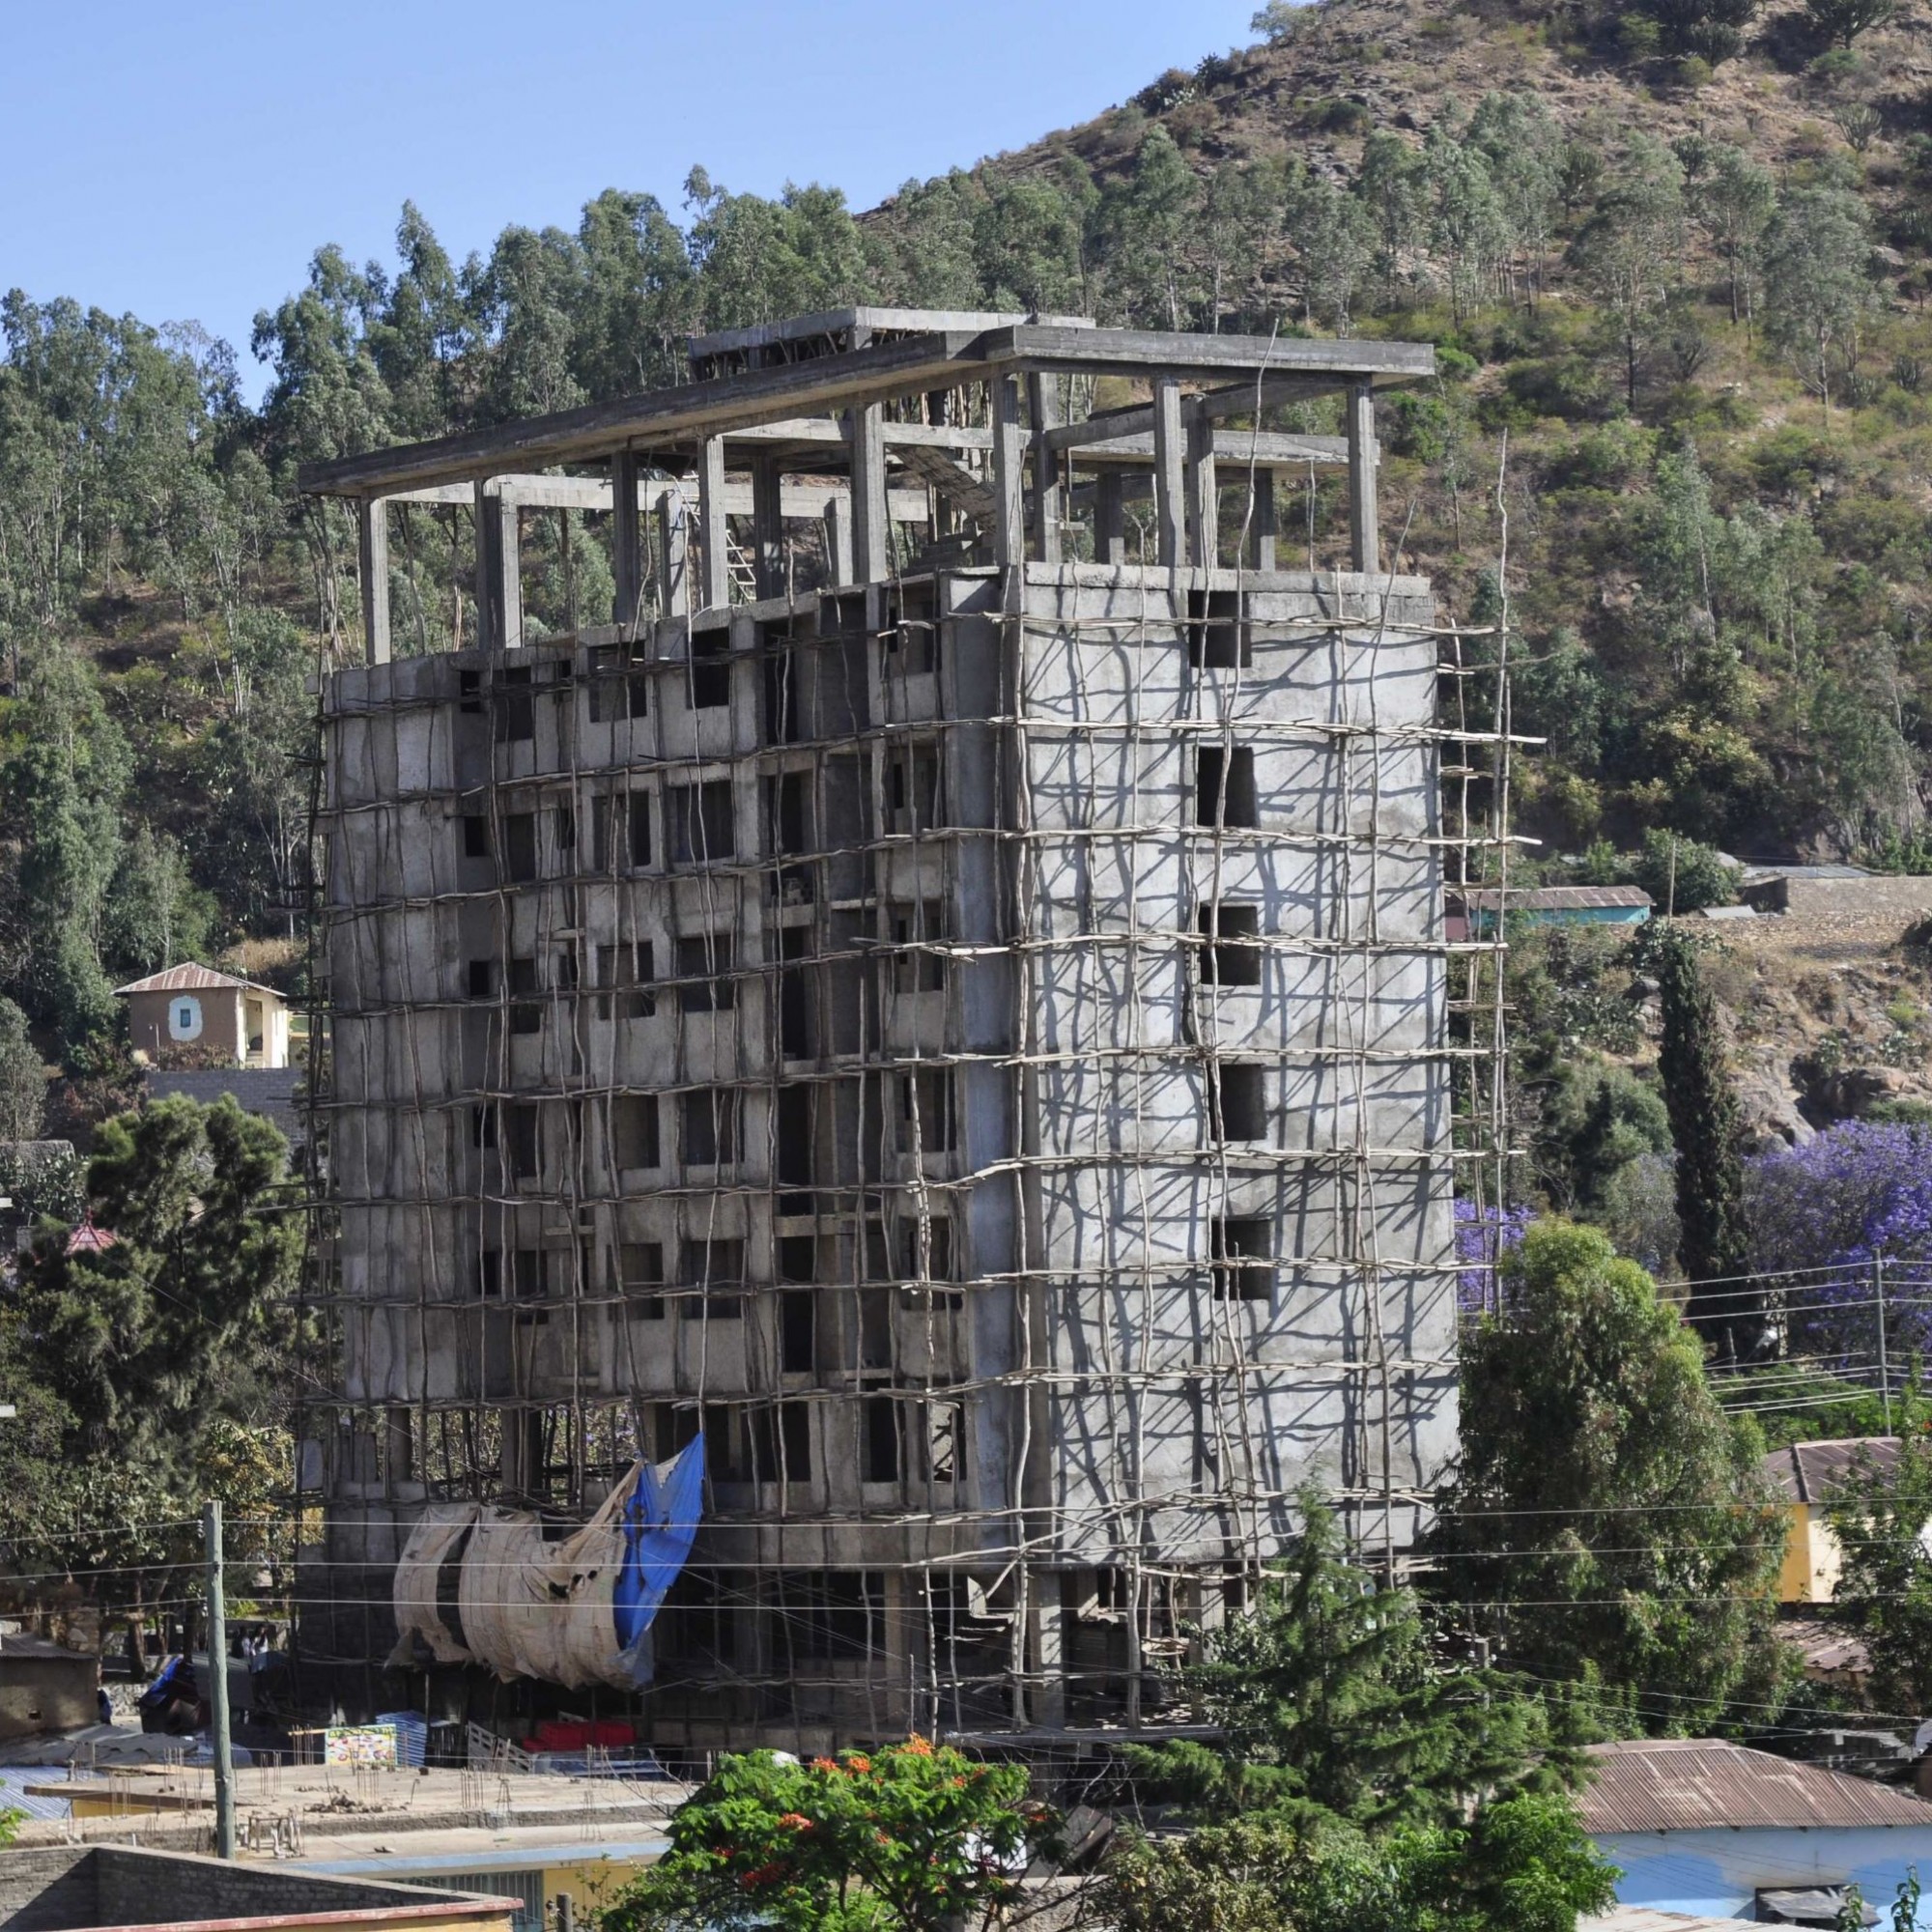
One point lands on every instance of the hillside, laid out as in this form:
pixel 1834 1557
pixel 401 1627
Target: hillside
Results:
pixel 1674 260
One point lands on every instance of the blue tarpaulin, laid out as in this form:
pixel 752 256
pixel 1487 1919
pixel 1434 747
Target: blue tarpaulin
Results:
pixel 660 1524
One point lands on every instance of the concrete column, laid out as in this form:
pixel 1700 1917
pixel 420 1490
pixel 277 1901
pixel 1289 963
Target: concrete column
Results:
pixel 1169 475
pixel 1265 523
pixel 489 619
pixel 1364 532
pixel 839 538
pixel 673 555
pixel 714 532
pixel 871 526
pixel 1009 479
pixel 1048 498
pixel 1204 495
pixel 373 566
pixel 627 561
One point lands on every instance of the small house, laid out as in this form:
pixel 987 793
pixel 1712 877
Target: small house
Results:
pixel 1711 1828
pixel 1806 1473
pixel 234 1022
pixel 45 1686
pixel 1472 914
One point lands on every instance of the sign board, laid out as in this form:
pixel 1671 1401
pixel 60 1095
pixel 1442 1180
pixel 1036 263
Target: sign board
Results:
pixel 359 1743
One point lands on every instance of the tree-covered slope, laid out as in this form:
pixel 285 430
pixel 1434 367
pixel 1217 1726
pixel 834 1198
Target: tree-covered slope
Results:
pixel 1674 260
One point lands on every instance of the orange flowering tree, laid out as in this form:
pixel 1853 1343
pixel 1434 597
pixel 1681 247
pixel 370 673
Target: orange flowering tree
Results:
pixel 911 1837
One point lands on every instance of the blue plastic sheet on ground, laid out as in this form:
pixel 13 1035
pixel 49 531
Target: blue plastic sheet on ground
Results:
pixel 660 1524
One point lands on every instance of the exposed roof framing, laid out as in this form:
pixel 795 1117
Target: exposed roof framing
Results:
pixel 764 403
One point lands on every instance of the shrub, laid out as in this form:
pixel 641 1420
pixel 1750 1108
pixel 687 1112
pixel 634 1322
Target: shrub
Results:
pixel 1336 116
pixel 1681 875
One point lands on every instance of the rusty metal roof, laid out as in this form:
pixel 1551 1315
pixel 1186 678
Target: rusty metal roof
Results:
pixel 1700 1784
pixel 1807 1472
pixel 189 977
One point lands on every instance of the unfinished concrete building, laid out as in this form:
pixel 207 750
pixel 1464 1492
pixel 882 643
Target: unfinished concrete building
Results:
pixel 946 994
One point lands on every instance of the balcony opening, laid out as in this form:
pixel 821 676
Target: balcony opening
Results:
pixel 704 974
pixel 520 846
pixel 710 1127
pixel 701 827
pixel 634 1131
pixel 641 1278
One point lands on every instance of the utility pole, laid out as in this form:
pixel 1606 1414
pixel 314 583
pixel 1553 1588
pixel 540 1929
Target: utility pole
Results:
pixel 1883 1365
pixel 217 1686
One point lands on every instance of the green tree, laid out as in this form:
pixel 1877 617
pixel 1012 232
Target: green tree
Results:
pixel 1521 1862
pixel 1609 1522
pixel 1715 1246
pixel 1817 281
pixel 1329 1703
pixel 23 1080
pixel 1844 20
pixel 1681 875
pixel 1713 30
pixel 907 1838
pixel 1628 251
pixel 1732 202
pixel 1879 1515
pixel 1149 221
pixel 1601 1118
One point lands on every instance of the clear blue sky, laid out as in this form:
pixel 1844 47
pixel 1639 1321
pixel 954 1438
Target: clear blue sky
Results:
pixel 183 160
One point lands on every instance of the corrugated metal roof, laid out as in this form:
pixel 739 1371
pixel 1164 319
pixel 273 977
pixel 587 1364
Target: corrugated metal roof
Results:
pixel 1699 1785
pixel 189 977
pixel 1807 1472
pixel 1646 1919
pixel 1554 899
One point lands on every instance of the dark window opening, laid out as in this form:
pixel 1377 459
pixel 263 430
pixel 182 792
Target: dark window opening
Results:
pixel 621 832
pixel 634 1130
pixel 701 827
pixel 520 1129
pixel 470 690
pixel 565 822
pixel 832 1613
pixel 641 1278
pixel 1237 1097
pixel 614 693
pixel 1232 953
pixel 717 1268
pixel 516 718
pixel 911 629
pixel 1244 1265
pixel 1218 634
pixel 794 1149
pixel 881 1445
pixel 475 835
pixel 564 965
pixel 781 1442
pixel 710 1128
pixel 490 1274
pixel 781 691
pixel 913 790
pixel 481 978
pixel 710 669
pixel 915 929
pixel 624 977
pixel 483 1126
pixel 527 1011
pixel 925 1111
pixel 1224 787
pixel 798 1330
pixel 704 974
pixel 520 846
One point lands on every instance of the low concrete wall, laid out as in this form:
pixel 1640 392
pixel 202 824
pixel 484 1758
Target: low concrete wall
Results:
pixel 79 1887
pixel 1888 892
